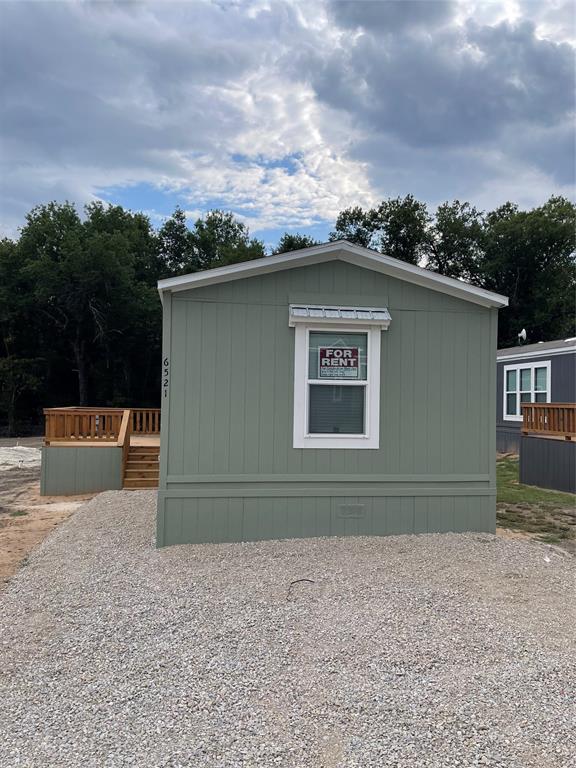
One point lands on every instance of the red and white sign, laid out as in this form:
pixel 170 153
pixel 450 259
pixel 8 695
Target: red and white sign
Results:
pixel 338 362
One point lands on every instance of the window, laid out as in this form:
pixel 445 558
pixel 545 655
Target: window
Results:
pixel 528 383
pixel 337 377
pixel 337 367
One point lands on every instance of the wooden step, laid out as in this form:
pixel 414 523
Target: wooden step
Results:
pixel 140 482
pixel 143 457
pixel 136 464
pixel 142 467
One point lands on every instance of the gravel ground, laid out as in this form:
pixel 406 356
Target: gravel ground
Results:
pixel 440 650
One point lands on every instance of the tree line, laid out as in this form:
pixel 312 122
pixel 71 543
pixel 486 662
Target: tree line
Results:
pixel 80 317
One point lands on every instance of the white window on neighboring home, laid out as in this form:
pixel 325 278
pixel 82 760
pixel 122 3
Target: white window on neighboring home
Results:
pixel 337 376
pixel 526 383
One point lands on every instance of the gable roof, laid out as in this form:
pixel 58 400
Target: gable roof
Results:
pixel 344 251
pixel 547 348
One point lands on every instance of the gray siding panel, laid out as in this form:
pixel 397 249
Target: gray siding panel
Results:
pixel 563 390
pixel 563 380
pixel 69 471
pixel 563 375
pixel 548 463
pixel 508 439
pixel 231 413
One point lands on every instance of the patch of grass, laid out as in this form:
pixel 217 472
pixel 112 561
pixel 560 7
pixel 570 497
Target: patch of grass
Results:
pixel 510 491
pixel 552 538
pixel 549 515
pixel 546 527
pixel 18 513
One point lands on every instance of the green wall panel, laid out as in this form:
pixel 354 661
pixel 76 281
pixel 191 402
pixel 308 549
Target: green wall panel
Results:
pixel 200 520
pixel 69 471
pixel 228 412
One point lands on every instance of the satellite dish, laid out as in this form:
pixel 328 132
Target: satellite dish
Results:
pixel 522 336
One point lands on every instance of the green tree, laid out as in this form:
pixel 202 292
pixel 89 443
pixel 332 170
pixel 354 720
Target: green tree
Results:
pixel 399 228
pixel 125 348
pixel 457 241
pixel 17 376
pixel 529 256
pixel 404 229
pixel 357 226
pixel 85 277
pixel 220 239
pixel 20 374
pixel 294 242
pixel 176 245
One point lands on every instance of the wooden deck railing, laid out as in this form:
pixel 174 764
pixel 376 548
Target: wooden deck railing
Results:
pixel 95 425
pixel 552 419
pixel 124 439
pixel 146 421
pixel 87 424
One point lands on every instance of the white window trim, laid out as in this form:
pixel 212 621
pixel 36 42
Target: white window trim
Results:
pixel 371 438
pixel 520 367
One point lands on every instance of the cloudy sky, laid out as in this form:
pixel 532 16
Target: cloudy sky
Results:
pixel 284 112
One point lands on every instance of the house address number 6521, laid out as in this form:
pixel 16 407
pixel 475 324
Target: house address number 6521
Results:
pixel 166 376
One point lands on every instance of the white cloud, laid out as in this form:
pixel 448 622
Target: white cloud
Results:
pixel 283 112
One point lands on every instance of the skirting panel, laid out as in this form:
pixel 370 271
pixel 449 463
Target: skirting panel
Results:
pixel 201 520
pixel 548 463
pixel 69 471
pixel 508 439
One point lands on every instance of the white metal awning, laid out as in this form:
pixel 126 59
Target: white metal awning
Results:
pixel 306 313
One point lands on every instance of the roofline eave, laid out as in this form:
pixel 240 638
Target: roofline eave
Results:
pixel 346 251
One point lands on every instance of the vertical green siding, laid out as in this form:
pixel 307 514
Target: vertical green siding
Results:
pixel 229 414
pixel 68 471
pixel 254 518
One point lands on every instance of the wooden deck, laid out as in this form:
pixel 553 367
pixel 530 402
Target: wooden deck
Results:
pixel 554 421
pixel 135 430
pixel 145 440
pixel 135 440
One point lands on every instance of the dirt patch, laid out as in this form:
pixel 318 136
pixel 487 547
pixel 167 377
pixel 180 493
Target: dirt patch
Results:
pixel 26 518
pixel 528 512
pixel 540 522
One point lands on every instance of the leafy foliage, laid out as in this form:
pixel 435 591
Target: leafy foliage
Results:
pixel 80 318
pixel 294 242
pixel 456 241
pixel 176 246
pixel 399 228
pixel 220 239
pixel 529 256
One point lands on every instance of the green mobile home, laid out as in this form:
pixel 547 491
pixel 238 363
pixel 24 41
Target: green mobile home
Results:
pixel 327 391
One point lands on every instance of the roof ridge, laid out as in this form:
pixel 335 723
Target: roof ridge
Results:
pixel 338 249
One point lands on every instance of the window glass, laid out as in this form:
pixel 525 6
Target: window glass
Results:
pixel 337 356
pixel 336 410
pixel 525 379
pixel 510 381
pixel 540 380
pixel 528 383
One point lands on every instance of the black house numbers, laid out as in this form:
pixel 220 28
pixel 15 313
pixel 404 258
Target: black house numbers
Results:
pixel 165 376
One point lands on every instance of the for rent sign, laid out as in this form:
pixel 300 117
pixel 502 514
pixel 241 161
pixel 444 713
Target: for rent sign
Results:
pixel 338 362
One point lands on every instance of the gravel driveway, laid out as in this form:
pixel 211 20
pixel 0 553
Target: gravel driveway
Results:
pixel 439 650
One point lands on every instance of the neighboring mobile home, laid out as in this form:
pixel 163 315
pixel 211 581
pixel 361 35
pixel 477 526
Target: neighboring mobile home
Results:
pixel 533 373
pixel 327 391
